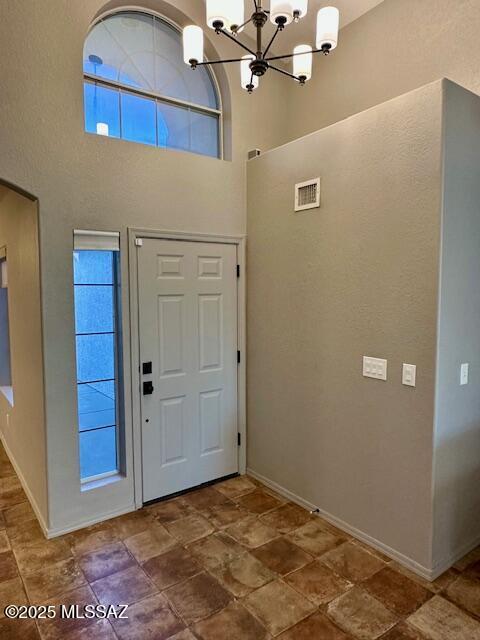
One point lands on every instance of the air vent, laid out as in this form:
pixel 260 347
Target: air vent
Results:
pixel 307 195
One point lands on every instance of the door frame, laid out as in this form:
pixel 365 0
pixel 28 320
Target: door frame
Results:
pixel 134 234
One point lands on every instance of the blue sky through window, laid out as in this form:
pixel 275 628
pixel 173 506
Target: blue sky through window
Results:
pixel 95 326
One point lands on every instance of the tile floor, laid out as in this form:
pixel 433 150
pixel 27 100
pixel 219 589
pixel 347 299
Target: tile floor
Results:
pixel 230 561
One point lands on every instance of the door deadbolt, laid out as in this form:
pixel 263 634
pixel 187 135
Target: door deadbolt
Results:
pixel 148 388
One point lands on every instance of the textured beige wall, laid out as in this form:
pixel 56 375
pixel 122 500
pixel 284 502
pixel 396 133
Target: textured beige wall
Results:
pixel 357 277
pixel 85 181
pixel 396 47
pixel 24 430
pixel 457 430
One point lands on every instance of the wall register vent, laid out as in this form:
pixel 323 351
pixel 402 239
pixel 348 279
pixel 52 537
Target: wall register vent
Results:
pixel 307 195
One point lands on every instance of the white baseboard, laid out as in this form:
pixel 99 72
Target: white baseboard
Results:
pixel 409 563
pixel 82 524
pixel 458 554
pixel 25 486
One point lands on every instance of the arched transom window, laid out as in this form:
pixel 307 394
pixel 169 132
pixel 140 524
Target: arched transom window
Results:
pixel 138 88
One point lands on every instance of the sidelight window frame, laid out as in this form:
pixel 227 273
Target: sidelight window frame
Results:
pixel 108 242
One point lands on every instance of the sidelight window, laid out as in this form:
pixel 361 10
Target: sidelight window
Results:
pixel 96 271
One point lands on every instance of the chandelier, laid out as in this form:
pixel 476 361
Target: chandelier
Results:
pixel 226 17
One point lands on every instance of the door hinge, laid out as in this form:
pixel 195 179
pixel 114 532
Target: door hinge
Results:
pixel 239 439
pixel 139 242
pixel 238 270
pixel 238 357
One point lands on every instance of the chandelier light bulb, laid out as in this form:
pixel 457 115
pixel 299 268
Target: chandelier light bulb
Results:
pixel 102 129
pixel 225 14
pixel 192 45
pixel 300 8
pixel 249 82
pixel 302 62
pixel 281 11
pixel 328 22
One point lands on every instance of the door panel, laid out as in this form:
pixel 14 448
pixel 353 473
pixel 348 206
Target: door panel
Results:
pixel 188 330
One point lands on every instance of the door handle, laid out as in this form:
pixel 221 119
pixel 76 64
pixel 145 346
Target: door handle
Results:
pixel 148 388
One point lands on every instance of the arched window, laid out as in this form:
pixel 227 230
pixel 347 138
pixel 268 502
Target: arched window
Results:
pixel 138 88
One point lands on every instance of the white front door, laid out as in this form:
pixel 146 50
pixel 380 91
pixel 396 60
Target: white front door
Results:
pixel 188 340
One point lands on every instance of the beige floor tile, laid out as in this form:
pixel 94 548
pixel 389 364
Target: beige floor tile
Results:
pixel 131 524
pixel 8 566
pixel 214 550
pixel 352 562
pixel 278 606
pixel 236 486
pixel 258 501
pixel 436 586
pixel 18 630
pixel 105 561
pixel 150 543
pixel 286 518
pixel 282 556
pixel 39 554
pixel 152 619
pixel 53 580
pixel 4 542
pixel 186 634
pixel 124 587
pixel 474 570
pixel 403 631
pixel 243 575
pixel 465 591
pixel 224 515
pixel 439 619
pixel 235 621
pixel 169 511
pixel 25 533
pixel 171 568
pixel 315 539
pixel 190 528
pixel 91 538
pixel 316 627
pixel 12 592
pixel 361 615
pixel 467 560
pixel 17 515
pixel 99 630
pixel 198 598
pixel 252 533
pixel 205 498
pixel 61 627
pixel 397 592
pixel 318 583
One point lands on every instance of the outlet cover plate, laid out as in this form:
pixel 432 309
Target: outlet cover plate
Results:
pixel 374 368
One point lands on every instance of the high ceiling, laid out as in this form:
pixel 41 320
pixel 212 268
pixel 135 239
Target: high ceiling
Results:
pixel 304 31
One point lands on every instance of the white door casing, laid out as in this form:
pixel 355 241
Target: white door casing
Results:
pixel 187 303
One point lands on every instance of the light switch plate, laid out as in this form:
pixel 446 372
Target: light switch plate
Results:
pixel 409 376
pixel 374 368
pixel 464 371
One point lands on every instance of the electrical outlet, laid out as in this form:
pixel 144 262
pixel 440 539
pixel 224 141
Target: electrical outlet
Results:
pixel 374 368
pixel 409 376
pixel 464 372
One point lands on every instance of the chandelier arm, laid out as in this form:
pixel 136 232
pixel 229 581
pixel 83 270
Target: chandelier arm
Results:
pixel 203 64
pixel 277 31
pixel 240 44
pixel 241 26
pixel 255 4
pixel 285 73
pixel 292 55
